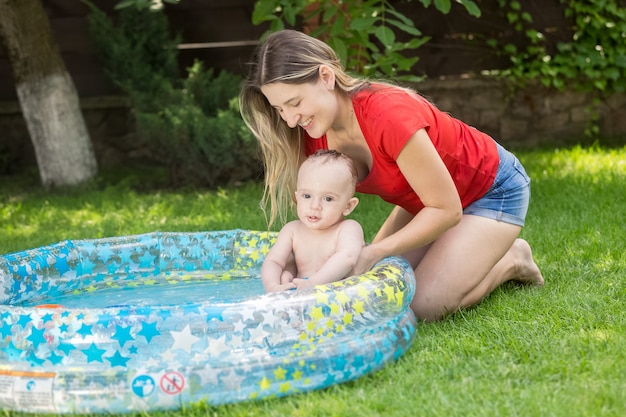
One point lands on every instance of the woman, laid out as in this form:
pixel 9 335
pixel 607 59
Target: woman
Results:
pixel 460 198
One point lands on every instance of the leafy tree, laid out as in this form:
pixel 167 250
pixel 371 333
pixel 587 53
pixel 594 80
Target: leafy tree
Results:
pixel 362 32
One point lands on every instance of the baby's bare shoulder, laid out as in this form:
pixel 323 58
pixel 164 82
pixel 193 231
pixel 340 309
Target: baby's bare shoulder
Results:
pixel 350 224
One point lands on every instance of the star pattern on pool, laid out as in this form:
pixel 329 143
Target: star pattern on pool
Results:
pixel 271 345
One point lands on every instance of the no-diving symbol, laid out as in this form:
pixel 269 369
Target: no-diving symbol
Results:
pixel 172 383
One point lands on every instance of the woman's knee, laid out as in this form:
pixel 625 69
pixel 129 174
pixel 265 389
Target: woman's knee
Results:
pixel 429 308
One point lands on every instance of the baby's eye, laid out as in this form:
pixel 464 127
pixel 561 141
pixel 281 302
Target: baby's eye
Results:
pixel 328 199
pixel 306 195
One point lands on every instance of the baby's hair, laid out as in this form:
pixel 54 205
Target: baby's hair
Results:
pixel 331 155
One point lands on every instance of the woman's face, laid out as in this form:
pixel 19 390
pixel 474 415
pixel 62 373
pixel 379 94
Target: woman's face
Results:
pixel 312 106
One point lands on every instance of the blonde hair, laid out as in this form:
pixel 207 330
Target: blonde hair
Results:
pixel 289 57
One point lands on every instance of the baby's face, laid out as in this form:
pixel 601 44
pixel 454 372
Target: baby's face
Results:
pixel 324 192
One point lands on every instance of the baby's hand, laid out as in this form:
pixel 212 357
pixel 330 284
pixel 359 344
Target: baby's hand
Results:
pixel 302 283
pixel 286 277
pixel 282 287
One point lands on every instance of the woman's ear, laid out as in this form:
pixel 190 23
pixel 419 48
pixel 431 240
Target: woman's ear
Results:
pixel 352 203
pixel 327 76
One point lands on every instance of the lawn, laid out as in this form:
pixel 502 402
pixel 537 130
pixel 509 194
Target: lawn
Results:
pixel 555 351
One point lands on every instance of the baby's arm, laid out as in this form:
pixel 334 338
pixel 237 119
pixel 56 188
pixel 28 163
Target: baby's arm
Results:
pixel 290 270
pixel 276 261
pixel 349 243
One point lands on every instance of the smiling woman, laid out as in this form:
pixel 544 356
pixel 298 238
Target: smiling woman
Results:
pixel 306 105
pixel 456 193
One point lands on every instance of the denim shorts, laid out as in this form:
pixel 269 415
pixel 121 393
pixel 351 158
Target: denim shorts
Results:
pixel 507 199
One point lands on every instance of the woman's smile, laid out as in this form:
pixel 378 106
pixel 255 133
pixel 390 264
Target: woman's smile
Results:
pixel 306 123
pixel 310 106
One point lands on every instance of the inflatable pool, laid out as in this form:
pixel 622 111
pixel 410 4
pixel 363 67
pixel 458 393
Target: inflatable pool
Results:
pixel 162 320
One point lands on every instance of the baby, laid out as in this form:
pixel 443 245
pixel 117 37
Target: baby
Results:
pixel 323 243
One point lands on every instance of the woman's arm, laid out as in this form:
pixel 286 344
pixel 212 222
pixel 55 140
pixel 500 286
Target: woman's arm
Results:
pixel 424 170
pixel 397 219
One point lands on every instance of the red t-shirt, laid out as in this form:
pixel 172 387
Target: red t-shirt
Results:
pixel 388 118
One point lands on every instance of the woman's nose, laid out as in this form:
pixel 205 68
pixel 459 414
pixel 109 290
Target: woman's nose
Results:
pixel 291 118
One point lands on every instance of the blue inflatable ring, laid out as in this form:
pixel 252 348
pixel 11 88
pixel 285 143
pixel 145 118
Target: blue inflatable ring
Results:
pixel 121 358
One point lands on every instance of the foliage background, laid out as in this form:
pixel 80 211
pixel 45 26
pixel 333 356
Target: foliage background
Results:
pixel 191 124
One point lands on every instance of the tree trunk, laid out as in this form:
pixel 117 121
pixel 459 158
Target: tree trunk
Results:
pixel 47 95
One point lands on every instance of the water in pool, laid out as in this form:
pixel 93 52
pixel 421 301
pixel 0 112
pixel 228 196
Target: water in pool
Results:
pixel 197 287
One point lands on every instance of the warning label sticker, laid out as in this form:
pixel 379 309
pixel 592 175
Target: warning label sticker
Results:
pixel 32 390
pixel 143 385
pixel 172 383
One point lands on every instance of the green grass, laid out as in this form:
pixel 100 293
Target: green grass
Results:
pixel 555 351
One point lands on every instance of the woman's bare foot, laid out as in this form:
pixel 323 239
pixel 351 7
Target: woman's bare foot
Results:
pixel 526 269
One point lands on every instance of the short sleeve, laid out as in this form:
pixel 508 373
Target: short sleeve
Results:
pixel 395 116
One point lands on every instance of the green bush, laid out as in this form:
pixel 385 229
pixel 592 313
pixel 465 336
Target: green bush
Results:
pixel 191 125
pixel 592 59
pixel 198 132
pixel 138 53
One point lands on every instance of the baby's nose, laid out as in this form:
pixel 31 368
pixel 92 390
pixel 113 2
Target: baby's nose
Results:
pixel 316 203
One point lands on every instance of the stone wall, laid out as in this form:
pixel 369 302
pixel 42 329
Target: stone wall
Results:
pixel 535 115
pixel 527 118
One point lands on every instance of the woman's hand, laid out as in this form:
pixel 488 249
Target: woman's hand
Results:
pixel 367 259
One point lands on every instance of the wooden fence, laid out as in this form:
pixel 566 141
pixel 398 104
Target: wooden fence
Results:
pixel 221 34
